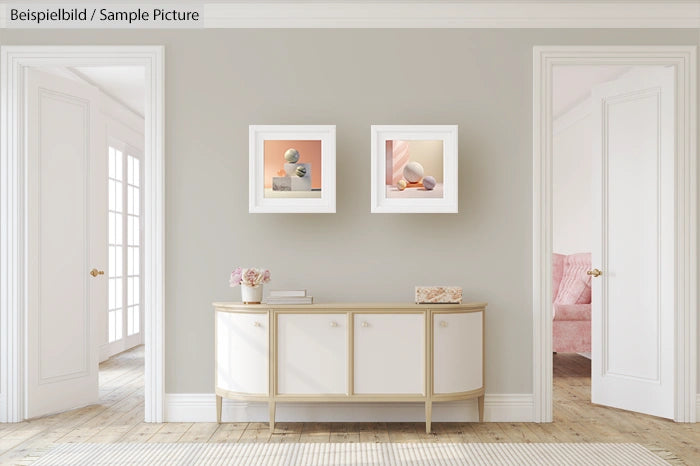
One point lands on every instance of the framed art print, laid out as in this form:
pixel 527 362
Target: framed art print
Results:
pixel 292 168
pixel 414 169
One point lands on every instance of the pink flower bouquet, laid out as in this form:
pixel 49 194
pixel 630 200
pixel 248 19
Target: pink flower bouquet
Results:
pixel 249 277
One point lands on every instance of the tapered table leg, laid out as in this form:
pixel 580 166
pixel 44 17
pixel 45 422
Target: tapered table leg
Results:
pixel 428 415
pixel 218 409
pixel 481 408
pixel 272 416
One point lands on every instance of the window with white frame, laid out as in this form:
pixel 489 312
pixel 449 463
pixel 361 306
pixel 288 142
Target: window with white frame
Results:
pixel 124 243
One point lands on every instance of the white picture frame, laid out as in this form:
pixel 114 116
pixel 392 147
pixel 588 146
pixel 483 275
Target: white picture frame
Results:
pixel 386 198
pixel 262 199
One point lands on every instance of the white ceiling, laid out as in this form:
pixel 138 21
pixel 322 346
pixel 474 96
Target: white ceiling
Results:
pixel 123 83
pixel 573 84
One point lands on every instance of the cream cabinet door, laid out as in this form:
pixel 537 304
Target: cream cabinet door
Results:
pixel 389 353
pixel 457 352
pixel 312 354
pixel 242 352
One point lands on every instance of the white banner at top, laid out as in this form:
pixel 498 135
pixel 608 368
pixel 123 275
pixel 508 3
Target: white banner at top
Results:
pixel 559 14
pixel 101 16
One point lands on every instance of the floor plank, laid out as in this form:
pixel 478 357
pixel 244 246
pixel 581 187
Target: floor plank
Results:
pixel 228 432
pixel 403 432
pixel 170 432
pixel 374 432
pixel 286 432
pixel 256 432
pixel 315 432
pixel 199 432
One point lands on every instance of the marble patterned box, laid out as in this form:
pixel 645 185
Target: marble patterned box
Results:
pixel 438 295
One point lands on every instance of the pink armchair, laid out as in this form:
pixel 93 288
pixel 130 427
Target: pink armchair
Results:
pixel 571 297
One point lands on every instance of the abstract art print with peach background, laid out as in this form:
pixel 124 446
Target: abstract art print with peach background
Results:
pixel 293 168
pixel 414 169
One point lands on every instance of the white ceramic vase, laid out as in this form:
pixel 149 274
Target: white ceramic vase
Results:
pixel 251 294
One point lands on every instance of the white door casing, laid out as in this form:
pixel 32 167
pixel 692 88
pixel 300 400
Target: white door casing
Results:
pixel 312 354
pixel 14 61
pixel 242 352
pixel 389 356
pixel 683 61
pixel 632 192
pixel 67 226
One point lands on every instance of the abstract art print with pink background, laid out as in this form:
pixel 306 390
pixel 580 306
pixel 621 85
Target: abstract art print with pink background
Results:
pixel 414 169
pixel 292 168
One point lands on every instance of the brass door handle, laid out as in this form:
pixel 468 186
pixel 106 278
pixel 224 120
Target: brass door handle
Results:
pixel 595 273
pixel 95 272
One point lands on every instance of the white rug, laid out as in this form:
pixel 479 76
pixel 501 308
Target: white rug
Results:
pixel 350 454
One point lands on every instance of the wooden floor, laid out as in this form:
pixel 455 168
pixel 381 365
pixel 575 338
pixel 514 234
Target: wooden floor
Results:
pixel 119 418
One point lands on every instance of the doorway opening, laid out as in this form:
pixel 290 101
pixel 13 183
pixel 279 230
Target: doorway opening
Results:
pixel 104 107
pixel 664 236
pixel 85 144
pixel 573 102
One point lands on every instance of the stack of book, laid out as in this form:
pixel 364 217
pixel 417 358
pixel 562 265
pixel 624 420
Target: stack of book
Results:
pixel 289 297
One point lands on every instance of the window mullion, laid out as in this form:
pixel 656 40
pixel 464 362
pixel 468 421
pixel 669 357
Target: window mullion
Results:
pixel 125 245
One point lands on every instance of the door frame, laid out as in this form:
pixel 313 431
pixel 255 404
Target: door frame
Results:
pixel 683 58
pixel 14 60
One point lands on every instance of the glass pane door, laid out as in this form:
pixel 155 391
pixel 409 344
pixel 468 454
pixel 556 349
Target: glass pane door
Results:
pixel 133 257
pixel 125 241
pixel 116 241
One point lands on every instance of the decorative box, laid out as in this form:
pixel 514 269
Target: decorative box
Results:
pixel 438 294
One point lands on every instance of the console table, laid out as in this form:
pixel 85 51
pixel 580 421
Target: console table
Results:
pixel 349 353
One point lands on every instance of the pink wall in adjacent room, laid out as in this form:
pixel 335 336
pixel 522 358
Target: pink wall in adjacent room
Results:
pixel 309 152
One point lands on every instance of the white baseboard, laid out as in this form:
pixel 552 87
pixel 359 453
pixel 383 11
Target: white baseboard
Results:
pixel 201 407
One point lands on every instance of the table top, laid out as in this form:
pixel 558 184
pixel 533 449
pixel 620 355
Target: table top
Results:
pixel 232 306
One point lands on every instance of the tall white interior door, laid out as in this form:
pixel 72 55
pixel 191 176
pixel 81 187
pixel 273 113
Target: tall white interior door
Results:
pixel 66 230
pixel 633 243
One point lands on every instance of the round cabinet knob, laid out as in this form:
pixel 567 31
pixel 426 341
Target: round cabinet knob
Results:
pixel 365 324
pixel 443 323
pixel 334 324
pixel 256 324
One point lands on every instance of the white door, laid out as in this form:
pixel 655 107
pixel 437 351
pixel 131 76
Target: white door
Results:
pixel 633 243
pixel 66 229
pixel 389 353
pixel 312 354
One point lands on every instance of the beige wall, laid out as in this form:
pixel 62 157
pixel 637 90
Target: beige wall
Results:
pixel 220 81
